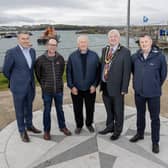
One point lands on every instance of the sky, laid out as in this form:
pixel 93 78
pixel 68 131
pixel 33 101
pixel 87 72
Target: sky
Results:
pixel 82 12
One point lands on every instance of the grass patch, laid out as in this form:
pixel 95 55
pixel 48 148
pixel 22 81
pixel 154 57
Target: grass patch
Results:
pixel 4 81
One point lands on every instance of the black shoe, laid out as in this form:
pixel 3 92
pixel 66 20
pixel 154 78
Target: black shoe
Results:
pixel 155 148
pixel 34 130
pixel 136 138
pixel 24 136
pixel 106 131
pixel 91 129
pixel 78 130
pixel 115 136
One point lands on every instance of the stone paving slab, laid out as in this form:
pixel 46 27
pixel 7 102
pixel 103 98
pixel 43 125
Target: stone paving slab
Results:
pixel 85 150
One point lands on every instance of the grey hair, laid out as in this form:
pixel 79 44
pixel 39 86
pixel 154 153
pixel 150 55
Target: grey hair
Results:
pixel 83 36
pixel 115 31
pixel 23 32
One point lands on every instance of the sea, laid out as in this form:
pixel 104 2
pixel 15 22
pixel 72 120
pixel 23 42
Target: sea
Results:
pixel 68 43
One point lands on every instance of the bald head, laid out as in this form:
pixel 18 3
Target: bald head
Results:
pixel 52 41
pixel 52 46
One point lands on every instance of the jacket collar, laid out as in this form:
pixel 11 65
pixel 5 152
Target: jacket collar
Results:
pixel 153 52
pixel 54 57
pixel 20 53
pixel 78 51
pixel 116 48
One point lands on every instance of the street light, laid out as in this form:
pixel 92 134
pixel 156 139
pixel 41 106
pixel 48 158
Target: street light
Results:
pixel 128 23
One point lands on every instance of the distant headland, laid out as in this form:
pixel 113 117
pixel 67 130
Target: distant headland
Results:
pixel 134 30
pixel 159 33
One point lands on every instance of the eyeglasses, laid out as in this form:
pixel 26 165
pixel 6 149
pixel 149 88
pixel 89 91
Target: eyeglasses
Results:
pixel 54 45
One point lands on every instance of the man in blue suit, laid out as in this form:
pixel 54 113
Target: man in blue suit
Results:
pixel 18 68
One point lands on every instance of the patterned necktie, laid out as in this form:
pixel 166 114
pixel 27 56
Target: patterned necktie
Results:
pixel 108 59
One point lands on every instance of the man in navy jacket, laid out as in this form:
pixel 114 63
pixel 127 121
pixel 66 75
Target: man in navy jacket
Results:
pixel 82 79
pixel 18 68
pixel 149 69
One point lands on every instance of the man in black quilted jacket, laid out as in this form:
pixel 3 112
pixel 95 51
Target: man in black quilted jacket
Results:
pixel 49 69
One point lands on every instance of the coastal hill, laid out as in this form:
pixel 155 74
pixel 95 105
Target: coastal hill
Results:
pixel 134 30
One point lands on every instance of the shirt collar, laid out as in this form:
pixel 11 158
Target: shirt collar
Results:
pixel 22 48
pixel 115 47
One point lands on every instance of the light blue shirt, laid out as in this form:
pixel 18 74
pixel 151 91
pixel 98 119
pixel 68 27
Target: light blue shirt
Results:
pixel 26 53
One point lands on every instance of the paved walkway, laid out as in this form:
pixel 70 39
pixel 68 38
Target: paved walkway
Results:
pixel 85 150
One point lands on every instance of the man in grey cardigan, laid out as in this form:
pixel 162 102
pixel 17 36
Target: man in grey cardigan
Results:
pixel 116 69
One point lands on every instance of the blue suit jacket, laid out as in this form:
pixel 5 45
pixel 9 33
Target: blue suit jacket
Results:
pixel 17 71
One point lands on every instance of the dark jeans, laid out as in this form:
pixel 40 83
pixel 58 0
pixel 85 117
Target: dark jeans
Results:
pixel 154 110
pixel 58 99
pixel 23 109
pixel 78 107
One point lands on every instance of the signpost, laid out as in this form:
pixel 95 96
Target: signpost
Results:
pixel 128 24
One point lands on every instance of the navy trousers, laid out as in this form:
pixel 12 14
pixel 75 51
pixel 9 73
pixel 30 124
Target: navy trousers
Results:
pixel 23 108
pixel 154 110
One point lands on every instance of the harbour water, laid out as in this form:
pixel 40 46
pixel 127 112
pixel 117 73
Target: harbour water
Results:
pixel 67 44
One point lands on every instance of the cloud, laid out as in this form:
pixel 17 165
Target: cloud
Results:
pixel 39 3
pixel 11 19
pixel 21 20
pixel 83 12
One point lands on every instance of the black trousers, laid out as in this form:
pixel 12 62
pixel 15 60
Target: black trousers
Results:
pixel 154 110
pixel 115 112
pixel 89 99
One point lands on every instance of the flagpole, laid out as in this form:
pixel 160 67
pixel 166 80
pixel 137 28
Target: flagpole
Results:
pixel 128 24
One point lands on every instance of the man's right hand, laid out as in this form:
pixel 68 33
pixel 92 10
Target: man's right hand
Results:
pixel 74 91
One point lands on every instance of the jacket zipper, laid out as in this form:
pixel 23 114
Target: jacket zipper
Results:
pixel 54 76
pixel 143 71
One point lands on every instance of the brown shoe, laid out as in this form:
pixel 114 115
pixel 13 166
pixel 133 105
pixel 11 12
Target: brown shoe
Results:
pixel 34 130
pixel 24 136
pixel 47 136
pixel 66 131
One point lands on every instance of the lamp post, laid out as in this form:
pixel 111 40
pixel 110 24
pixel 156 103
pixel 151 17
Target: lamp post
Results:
pixel 128 24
